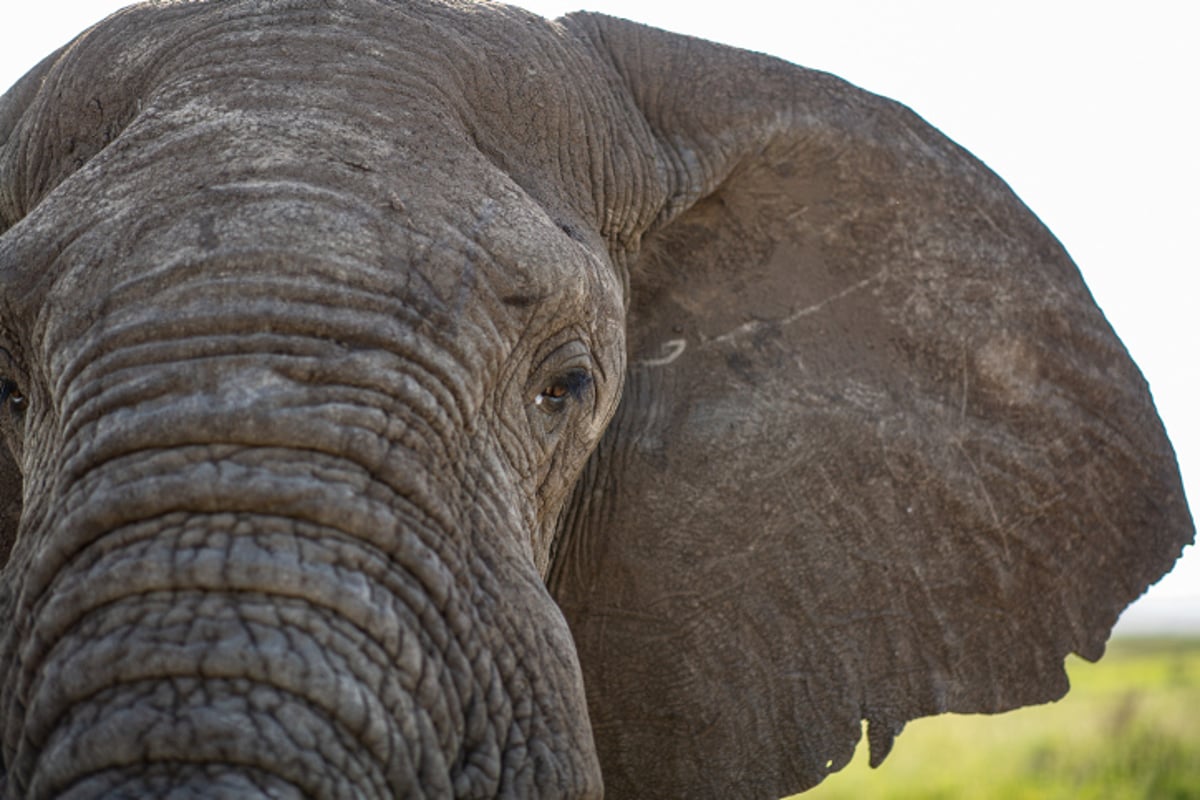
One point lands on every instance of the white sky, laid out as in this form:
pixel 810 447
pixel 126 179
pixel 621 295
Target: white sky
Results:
pixel 1088 109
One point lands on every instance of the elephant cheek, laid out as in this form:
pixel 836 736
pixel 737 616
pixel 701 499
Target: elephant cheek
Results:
pixel 328 648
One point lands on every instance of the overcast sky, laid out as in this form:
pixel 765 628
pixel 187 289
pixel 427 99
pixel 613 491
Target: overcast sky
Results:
pixel 1087 109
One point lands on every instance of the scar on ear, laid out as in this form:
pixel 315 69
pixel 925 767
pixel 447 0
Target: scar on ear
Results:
pixel 671 350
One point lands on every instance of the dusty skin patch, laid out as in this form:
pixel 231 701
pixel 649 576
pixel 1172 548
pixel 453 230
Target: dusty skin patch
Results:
pixel 1008 368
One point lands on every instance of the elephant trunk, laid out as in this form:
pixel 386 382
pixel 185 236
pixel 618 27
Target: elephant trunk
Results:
pixel 263 618
pixel 228 648
pixel 275 541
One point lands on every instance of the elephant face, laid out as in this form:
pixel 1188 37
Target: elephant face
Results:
pixel 429 399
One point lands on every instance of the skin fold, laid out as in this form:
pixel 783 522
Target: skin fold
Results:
pixel 427 399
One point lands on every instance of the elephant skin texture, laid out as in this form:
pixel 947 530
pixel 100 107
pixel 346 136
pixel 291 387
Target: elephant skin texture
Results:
pixel 425 399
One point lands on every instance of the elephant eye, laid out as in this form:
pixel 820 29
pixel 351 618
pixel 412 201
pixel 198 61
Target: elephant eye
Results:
pixel 10 393
pixel 569 386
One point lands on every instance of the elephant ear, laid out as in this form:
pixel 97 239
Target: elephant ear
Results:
pixel 880 455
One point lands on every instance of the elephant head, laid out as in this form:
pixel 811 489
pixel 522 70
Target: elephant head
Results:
pixel 422 398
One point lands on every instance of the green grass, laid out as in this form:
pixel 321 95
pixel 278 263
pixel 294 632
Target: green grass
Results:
pixel 1129 728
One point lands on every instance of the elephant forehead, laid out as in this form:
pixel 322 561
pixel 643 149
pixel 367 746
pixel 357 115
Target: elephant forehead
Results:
pixel 392 161
pixel 359 81
pixel 246 247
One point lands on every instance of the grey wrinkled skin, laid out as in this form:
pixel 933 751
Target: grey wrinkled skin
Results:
pixel 424 399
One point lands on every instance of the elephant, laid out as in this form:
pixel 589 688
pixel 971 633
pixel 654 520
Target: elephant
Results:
pixel 422 398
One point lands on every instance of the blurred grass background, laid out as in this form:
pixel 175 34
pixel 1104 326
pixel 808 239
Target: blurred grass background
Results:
pixel 1129 728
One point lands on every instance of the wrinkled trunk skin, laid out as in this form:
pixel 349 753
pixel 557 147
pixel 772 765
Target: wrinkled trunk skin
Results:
pixel 270 544
pixel 295 609
pixel 241 586
pixel 258 574
pixel 241 650
pixel 234 649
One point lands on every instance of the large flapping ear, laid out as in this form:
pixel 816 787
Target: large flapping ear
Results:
pixel 880 456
